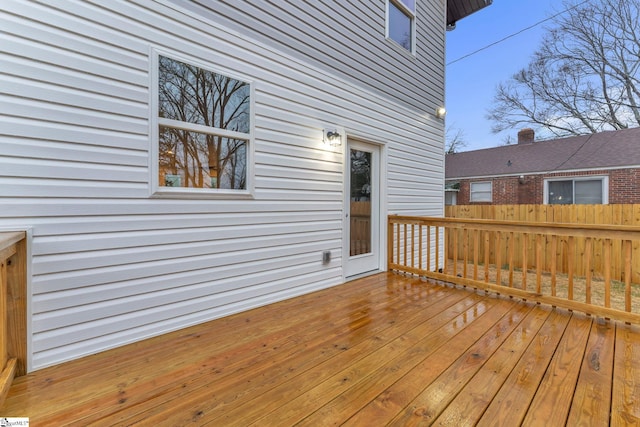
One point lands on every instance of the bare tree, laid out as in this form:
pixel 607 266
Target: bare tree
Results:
pixel 508 140
pixel 218 103
pixel 583 79
pixel 454 138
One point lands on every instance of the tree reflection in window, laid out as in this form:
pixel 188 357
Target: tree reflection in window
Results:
pixel 204 127
pixel 360 175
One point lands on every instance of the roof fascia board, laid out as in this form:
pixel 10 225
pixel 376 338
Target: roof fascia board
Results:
pixel 544 172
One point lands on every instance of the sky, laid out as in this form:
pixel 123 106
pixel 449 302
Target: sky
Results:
pixel 471 82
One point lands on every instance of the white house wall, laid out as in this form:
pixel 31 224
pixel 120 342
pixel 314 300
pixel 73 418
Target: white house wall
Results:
pixel 110 265
pixel 349 38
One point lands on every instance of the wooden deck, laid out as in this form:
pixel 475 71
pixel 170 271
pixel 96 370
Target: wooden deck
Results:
pixel 383 350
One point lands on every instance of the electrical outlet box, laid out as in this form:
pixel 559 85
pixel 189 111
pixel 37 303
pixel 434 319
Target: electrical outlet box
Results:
pixel 326 257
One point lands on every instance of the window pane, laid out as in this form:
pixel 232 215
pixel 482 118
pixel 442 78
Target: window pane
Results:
pixel 360 206
pixel 198 160
pixel 560 192
pixel 411 4
pixel 194 95
pixel 481 186
pixel 588 192
pixel 481 191
pixel 399 26
pixel 450 198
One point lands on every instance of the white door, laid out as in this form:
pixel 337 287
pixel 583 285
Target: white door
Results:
pixel 362 206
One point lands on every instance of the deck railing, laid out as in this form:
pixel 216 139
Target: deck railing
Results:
pixel 481 254
pixel 360 228
pixel 13 327
pixel 627 215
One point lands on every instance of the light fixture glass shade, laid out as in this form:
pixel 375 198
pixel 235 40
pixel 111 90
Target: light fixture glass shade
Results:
pixel 331 137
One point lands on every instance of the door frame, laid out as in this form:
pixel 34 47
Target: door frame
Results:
pixel 382 211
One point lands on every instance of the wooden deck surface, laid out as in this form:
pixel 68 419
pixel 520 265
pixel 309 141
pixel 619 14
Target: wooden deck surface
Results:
pixel 382 350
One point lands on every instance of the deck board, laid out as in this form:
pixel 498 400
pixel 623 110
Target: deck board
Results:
pixel 472 401
pixel 625 404
pixel 382 350
pixel 592 400
pixel 553 398
pixel 461 358
pixel 438 334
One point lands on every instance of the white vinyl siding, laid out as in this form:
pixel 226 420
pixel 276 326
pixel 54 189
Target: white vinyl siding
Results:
pixel 349 38
pixel 110 265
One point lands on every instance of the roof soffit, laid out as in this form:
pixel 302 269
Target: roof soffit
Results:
pixel 458 9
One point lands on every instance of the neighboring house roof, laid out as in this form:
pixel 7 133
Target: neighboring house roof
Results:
pixel 604 150
pixel 458 9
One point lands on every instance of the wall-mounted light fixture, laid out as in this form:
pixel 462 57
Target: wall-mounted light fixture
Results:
pixel 441 112
pixel 331 137
pixel 521 179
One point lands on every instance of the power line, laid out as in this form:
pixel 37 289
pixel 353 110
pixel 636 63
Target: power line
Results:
pixel 515 34
pixel 576 151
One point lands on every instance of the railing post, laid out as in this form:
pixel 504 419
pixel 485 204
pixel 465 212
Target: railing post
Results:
pixel 389 243
pixel 554 260
pixel 627 275
pixel 570 262
pixel 512 248
pixel 538 263
pixel 447 236
pixel 429 249
pixel 498 258
pixel 476 252
pixel 437 260
pixel 607 273
pixel 487 253
pixel 525 256
pixel 588 251
pixel 465 251
pixel 13 333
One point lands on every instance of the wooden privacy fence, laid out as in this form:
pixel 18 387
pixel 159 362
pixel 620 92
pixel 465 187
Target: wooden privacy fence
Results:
pixel 507 257
pixel 13 327
pixel 627 214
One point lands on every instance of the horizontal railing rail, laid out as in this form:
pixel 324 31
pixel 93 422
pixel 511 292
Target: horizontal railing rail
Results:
pixel 12 309
pixel 482 254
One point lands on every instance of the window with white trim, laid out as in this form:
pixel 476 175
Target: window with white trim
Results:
pixel 203 126
pixel 578 191
pixel 401 23
pixel 481 191
pixel 450 198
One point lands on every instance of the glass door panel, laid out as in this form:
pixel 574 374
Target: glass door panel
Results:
pixel 360 203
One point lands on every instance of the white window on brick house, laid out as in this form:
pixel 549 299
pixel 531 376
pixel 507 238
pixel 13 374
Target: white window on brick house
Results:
pixel 480 191
pixel 401 23
pixel 450 197
pixel 577 191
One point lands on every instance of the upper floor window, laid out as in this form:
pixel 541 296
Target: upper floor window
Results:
pixel 204 130
pixel 481 191
pixel 401 17
pixel 578 191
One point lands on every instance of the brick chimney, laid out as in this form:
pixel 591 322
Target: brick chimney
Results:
pixel 526 136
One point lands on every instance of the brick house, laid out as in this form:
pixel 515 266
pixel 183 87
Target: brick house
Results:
pixel 588 169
